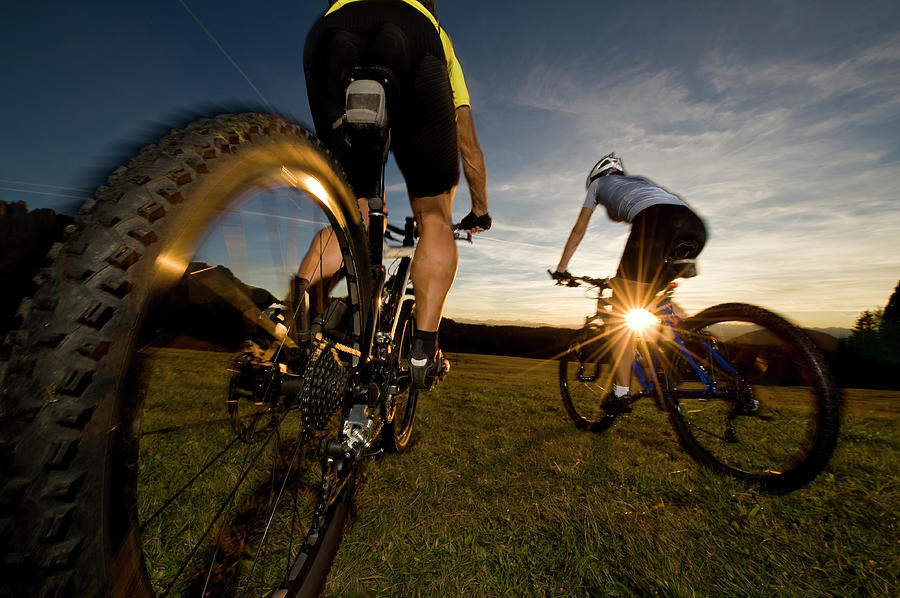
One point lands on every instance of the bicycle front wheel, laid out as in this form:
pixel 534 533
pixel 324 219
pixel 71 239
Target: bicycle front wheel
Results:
pixel 585 378
pixel 750 395
pixel 162 420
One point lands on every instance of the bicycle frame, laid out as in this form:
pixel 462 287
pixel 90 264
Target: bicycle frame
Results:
pixel 401 277
pixel 373 379
pixel 648 375
pixel 668 327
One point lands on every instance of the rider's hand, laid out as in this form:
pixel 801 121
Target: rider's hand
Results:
pixel 475 224
pixel 561 277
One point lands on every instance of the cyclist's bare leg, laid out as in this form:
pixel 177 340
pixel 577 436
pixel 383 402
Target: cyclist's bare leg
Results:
pixel 624 352
pixel 322 261
pixel 627 295
pixel 434 264
pixel 323 258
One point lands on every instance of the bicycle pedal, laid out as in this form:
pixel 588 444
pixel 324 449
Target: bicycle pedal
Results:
pixel 617 405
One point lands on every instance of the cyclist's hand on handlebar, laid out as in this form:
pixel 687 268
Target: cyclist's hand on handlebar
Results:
pixel 475 224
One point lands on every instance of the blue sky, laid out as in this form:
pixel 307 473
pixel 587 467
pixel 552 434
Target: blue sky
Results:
pixel 779 122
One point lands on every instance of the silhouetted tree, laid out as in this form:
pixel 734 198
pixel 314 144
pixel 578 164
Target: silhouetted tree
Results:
pixel 892 309
pixel 870 355
pixel 868 321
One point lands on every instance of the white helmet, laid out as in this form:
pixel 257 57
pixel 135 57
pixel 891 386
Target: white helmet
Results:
pixel 607 165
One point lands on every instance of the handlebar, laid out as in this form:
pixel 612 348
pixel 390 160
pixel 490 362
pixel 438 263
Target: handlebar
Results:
pixel 396 229
pixel 408 233
pixel 458 233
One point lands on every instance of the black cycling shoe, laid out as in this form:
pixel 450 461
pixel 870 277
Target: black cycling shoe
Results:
pixel 614 405
pixel 425 371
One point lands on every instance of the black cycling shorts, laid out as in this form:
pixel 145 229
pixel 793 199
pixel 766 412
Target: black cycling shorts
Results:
pixel 393 35
pixel 655 233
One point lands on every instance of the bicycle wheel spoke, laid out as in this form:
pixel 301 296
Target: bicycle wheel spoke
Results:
pixel 229 526
pixel 402 405
pixel 187 484
pixel 225 505
pixel 276 502
pixel 707 432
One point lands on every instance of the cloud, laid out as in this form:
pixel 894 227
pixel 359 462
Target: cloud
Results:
pixel 788 161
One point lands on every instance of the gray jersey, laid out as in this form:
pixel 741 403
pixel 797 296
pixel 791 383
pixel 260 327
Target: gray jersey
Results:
pixel 624 197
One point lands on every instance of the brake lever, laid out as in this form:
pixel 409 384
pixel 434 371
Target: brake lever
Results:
pixel 457 236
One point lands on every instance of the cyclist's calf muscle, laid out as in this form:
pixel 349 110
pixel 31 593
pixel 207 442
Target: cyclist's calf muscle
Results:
pixel 434 264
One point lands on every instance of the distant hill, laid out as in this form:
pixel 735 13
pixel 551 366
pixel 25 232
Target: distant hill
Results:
pixel 211 306
pixel 547 342
pixel 826 342
pixel 837 333
pixel 516 323
pixel 543 342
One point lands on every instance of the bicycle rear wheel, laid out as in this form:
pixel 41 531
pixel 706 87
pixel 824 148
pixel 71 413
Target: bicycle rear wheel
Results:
pixel 750 395
pixel 585 378
pixel 161 426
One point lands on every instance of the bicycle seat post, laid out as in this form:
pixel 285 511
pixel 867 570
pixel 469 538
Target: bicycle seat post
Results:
pixel 366 123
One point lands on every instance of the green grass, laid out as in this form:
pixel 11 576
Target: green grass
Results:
pixel 185 426
pixel 500 495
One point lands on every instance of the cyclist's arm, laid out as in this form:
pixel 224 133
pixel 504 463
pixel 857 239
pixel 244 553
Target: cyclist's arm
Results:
pixel 574 238
pixel 474 168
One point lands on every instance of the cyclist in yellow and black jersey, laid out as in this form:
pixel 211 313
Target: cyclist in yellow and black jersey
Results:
pixel 454 70
pixel 431 128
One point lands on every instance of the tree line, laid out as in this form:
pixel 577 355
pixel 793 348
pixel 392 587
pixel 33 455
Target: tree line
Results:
pixel 870 356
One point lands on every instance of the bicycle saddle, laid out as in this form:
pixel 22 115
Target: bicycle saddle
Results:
pixel 682 261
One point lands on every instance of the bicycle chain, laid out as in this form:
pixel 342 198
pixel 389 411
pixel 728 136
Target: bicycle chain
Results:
pixel 325 383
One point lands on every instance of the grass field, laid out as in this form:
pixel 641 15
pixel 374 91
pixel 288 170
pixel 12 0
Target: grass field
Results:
pixel 502 496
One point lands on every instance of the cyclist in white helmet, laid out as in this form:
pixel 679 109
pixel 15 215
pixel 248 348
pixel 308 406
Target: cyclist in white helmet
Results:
pixel 663 227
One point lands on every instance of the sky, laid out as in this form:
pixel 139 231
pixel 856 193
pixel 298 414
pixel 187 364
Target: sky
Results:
pixel 777 121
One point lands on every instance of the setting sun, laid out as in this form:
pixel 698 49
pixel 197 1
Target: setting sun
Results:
pixel 640 321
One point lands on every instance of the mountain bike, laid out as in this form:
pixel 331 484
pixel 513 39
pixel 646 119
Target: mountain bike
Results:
pixel 164 431
pixel 747 393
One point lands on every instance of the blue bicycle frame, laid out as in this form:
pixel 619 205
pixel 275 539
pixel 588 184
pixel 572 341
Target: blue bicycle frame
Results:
pixel 648 382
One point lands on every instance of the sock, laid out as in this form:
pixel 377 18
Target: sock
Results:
pixel 424 343
pixel 620 391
